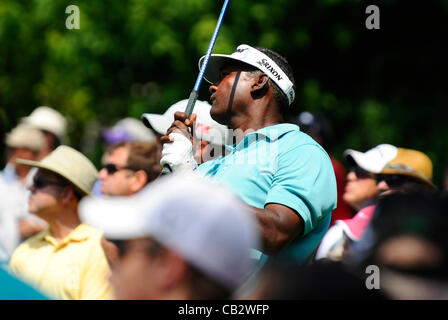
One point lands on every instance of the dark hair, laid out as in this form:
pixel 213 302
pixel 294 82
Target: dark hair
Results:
pixel 320 280
pixel 143 155
pixel 279 95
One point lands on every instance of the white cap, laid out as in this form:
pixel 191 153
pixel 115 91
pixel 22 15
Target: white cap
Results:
pixel 206 128
pixel 128 129
pixel 373 160
pixel 24 136
pixel 255 58
pixel 203 222
pixel 48 119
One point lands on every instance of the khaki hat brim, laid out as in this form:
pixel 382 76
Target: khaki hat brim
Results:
pixel 409 174
pixel 39 165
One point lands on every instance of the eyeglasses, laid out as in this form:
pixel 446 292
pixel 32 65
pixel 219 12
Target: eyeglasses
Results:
pixel 361 173
pixel 40 182
pixel 111 168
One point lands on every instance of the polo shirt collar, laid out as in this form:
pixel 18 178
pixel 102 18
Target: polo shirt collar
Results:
pixel 271 132
pixel 80 233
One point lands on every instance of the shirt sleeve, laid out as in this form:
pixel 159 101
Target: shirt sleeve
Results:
pixel 305 182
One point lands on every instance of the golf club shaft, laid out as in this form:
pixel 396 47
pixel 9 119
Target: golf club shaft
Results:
pixel 195 92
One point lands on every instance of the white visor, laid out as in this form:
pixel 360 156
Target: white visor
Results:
pixel 255 58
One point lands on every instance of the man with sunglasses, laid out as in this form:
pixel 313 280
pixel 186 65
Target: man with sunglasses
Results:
pixel 130 166
pixel 66 261
pixel 379 171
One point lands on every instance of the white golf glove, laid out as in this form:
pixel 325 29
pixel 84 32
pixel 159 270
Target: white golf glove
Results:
pixel 178 154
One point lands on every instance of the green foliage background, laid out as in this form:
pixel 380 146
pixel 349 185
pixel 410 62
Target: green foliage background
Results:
pixel 136 56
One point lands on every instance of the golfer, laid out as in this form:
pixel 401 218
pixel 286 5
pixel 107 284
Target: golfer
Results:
pixel 283 174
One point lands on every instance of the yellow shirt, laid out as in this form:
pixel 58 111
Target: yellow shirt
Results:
pixel 75 268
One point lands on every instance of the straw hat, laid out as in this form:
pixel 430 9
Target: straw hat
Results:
pixel 71 164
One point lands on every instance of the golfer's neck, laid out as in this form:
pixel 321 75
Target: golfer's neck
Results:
pixel 255 119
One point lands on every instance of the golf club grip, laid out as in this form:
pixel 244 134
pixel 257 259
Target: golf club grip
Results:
pixel 191 102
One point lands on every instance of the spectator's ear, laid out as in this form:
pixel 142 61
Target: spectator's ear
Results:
pixel 67 194
pixel 140 178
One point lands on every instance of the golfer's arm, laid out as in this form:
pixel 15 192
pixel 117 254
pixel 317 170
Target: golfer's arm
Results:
pixel 278 226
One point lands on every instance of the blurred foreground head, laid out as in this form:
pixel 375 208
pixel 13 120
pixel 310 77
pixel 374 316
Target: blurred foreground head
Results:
pixel 182 237
pixel 410 245
pixel 322 280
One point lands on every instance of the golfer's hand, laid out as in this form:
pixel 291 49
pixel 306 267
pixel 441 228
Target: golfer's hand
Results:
pixel 182 124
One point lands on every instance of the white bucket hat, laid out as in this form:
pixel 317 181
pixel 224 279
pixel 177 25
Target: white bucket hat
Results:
pixel 70 164
pixel 47 119
pixel 206 128
pixel 203 222
pixel 24 136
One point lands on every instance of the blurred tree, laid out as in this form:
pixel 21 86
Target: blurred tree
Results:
pixel 136 56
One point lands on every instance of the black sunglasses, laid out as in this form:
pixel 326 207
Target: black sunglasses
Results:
pixel 361 173
pixel 40 182
pixel 396 180
pixel 111 168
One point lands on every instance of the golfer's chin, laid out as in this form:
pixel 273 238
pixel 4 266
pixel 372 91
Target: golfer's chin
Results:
pixel 219 115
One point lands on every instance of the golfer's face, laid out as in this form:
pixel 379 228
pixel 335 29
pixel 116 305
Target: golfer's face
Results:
pixel 228 94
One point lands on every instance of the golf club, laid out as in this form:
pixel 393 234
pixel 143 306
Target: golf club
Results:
pixel 195 92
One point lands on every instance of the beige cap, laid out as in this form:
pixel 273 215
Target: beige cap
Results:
pixel 71 164
pixel 23 136
pixel 48 119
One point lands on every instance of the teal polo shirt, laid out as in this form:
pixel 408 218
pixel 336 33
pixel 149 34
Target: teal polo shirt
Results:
pixel 280 164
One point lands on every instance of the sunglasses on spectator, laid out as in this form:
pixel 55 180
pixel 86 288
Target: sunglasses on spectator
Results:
pixel 361 173
pixel 111 168
pixel 396 180
pixel 40 182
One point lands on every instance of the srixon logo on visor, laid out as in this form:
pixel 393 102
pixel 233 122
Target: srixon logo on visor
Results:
pixel 264 63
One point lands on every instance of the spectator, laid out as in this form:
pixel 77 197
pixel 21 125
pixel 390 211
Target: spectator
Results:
pixel 282 174
pixel 22 142
pixel 210 136
pixel 51 123
pixel 381 170
pixel 182 237
pixel 125 130
pixel 66 260
pixel 129 167
pixel 320 130
pixel 15 221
